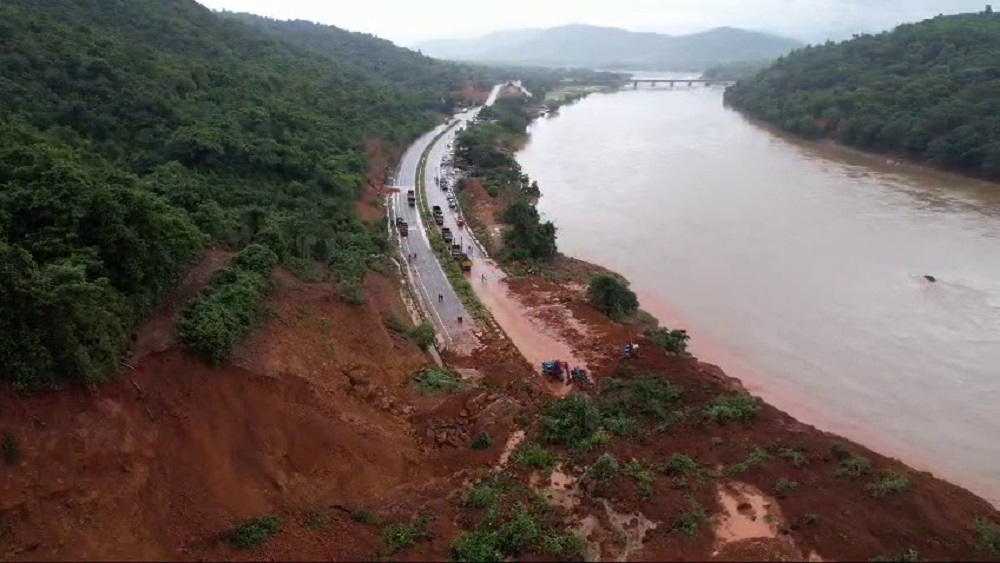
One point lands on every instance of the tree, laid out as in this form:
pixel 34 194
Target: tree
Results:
pixel 612 297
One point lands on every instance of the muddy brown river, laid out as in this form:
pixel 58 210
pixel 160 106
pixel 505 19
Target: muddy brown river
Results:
pixel 796 267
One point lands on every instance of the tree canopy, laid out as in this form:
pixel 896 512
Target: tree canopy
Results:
pixel 133 133
pixel 929 91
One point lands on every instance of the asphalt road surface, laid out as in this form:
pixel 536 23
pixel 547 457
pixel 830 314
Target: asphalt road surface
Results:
pixel 425 273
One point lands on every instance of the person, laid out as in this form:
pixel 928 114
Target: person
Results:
pixel 484 278
pixel 459 320
pixel 440 298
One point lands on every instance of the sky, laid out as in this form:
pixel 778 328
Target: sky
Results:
pixel 407 22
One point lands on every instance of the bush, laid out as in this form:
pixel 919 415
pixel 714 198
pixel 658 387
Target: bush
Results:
pixel 680 464
pixel 572 421
pixel 423 335
pixel 891 483
pixel 853 467
pixel 531 454
pixel 604 468
pixel 989 536
pixel 642 475
pixel 672 341
pixel 215 321
pixel 253 531
pixel 612 297
pixel 731 408
pixel 400 536
pixel 435 381
pixel 482 441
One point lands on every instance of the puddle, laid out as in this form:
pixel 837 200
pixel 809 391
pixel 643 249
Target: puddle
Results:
pixel 516 438
pixel 633 525
pixel 747 513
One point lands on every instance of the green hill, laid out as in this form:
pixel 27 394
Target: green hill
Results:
pixel 609 47
pixel 929 91
pixel 134 133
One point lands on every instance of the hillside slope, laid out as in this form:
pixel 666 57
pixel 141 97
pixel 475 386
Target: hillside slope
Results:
pixel 409 70
pixel 929 91
pixel 134 133
pixel 590 46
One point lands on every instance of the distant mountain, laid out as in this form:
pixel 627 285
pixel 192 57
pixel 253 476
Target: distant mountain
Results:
pixel 610 47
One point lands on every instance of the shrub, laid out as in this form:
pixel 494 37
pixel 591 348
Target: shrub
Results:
pixel 853 467
pixel 254 531
pixel 482 441
pixel 400 536
pixel 485 494
pixel 532 454
pixel 215 321
pixel 757 456
pixel 642 396
pixel 890 483
pixel 680 464
pixel 642 475
pixel 783 486
pixel 730 408
pixel 672 341
pixel 573 421
pixel 423 335
pixel 989 536
pixel 604 468
pixel 364 516
pixel 430 381
pixel 612 297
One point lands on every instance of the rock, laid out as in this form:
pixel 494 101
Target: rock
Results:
pixel 464 413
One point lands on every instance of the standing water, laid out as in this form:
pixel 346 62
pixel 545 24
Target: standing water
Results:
pixel 796 267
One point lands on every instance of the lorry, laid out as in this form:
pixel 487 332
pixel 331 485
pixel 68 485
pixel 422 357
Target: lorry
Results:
pixel 438 215
pixel 411 198
pixel 464 262
pixel 404 229
pixel 456 251
pixel 446 235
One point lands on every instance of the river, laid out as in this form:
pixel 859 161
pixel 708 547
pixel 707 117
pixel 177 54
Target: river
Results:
pixel 796 267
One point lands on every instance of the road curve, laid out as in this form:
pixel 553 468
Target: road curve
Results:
pixel 426 275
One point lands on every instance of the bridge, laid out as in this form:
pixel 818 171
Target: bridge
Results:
pixel 689 81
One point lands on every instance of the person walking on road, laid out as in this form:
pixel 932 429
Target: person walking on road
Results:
pixel 440 298
pixel 484 278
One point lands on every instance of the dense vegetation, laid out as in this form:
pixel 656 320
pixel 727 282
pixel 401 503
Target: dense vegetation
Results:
pixel 135 132
pixel 612 297
pixel 486 151
pixel 737 70
pixel 215 321
pixel 929 91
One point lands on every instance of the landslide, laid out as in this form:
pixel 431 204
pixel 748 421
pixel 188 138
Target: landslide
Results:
pixel 925 91
pixel 137 133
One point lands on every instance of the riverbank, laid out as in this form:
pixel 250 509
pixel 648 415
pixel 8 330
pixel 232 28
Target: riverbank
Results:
pixel 554 299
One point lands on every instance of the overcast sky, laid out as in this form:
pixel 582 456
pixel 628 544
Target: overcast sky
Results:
pixel 408 21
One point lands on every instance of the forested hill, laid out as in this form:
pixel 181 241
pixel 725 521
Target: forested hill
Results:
pixel 929 91
pixel 133 133
pixel 408 69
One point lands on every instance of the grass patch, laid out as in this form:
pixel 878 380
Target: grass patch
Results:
pixel 739 407
pixel 642 476
pixel 486 493
pixel 568 545
pixel 253 532
pixel 395 324
pixel 482 441
pixel 680 464
pixel 853 466
pixel 572 422
pixel 783 486
pixel 795 455
pixel 644 396
pixel 397 537
pixel 316 520
pixel 364 516
pixel 532 454
pixel 890 484
pixel 10 448
pixel 602 470
pixel 431 381
pixel 690 520
pixel 989 536
pixel 757 456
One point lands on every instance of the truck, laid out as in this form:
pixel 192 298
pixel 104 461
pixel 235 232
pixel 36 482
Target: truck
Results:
pixel 456 251
pixel 403 227
pixel 411 198
pixel 446 235
pixel 464 262
pixel 438 215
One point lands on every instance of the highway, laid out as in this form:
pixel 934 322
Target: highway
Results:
pixel 425 274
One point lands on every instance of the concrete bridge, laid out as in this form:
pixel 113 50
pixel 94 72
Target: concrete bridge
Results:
pixel 689 81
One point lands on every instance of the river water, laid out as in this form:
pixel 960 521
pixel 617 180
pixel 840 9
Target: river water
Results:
pixel 796 267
